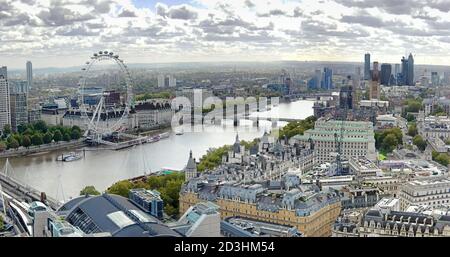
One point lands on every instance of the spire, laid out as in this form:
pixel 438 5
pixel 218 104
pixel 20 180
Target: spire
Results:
pixel 190 154
pixel 237 137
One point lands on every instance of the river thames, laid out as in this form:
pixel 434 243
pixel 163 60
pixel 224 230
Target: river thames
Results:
pixel 101 168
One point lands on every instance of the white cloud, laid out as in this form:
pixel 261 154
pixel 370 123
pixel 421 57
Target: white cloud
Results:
pixel 228 29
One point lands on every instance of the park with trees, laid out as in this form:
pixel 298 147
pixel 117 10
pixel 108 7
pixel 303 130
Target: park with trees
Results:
pixel 36 134
pixel 167 185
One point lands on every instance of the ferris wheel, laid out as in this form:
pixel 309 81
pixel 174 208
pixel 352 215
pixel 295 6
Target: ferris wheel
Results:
pixel 101 117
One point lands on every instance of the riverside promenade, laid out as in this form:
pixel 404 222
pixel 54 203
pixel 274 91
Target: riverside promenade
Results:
pixel 23 151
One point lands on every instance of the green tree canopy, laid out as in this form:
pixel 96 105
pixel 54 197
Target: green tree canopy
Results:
pixel 390 142
pixel 26 141
pixel 47 138
pixel 419 142
pixel 36 139
pixel 412 130
pixel 121 188
pixel 76 134
pixel 2 146
pixel 41 126
pixel 2 223
pixel 410 117
pixel 89 190
pixel 57 136
pixel 67 137
pixel 7 129
pixel 442 158
pixel 13 143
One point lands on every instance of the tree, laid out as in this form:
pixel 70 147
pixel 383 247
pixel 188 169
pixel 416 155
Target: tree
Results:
pixel 67 137
pixel 120 188
pixel 41 126
pixel 7 129
pixel 442 158
pixel 412 130
pixel 26 141
pixel 47 138
pixel 57 136
pixel 76 134
pixel 419 142
pixel 13 143
pixel 89 190
pixel 410 117
pixel 75 127
pixel 36 139
pixel 390 142
pixel 2 224
pixel 439 111
pixel 2 146
pixel 21 128
pixel 28 132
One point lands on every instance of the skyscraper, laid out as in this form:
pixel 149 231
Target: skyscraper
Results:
pixel 374 85
pixel 29 74
pixel 18 109
pixel 172 81
pixel 434 78
pixel 396 73
pixel 404 74
pixel 367 66
pixel 410 70
pixel 327 82
pixel 161 82
pixel 4 72
pixel 386 70
pixel 5 114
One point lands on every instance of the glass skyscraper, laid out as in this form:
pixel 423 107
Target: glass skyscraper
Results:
pixel 367 66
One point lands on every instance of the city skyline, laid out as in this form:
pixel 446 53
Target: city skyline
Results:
pixel 215 30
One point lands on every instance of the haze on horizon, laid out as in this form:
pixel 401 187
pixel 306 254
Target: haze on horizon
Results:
pixel 64 33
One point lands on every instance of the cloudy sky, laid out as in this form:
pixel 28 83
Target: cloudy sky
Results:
pixel 59 33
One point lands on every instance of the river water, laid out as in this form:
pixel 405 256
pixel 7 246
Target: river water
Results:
pixel 101 168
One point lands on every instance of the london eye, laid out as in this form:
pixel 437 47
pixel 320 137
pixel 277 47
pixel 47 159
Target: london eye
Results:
pixel 104 112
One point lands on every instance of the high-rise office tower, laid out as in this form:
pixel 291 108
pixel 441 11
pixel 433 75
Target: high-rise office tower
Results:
pixel 404 74
pixel 4 72
pixel 355 82
pixel 410 81
pixel 367 66
pixel 5 114
pixel 407 75
pixel 19 87
pixel 18 109
pixel 29 74
pixel 375 74
pixel 327 82
pixel 396 73
pixel 315 81
pixel 172 81
pixel 385 77
pixel 161 82
pixel 434 79
pixel 374 85
pixel 447 77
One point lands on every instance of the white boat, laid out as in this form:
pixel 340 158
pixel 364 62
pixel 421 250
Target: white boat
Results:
pixel 69 157
pixel 179 133
pixel 164 135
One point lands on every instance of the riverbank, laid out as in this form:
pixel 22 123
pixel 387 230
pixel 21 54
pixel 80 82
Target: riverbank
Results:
pixel 42 149
pixel 102 168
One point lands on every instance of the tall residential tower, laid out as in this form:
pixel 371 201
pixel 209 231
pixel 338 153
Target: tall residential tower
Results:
pixel 367 66
pixel 29 74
